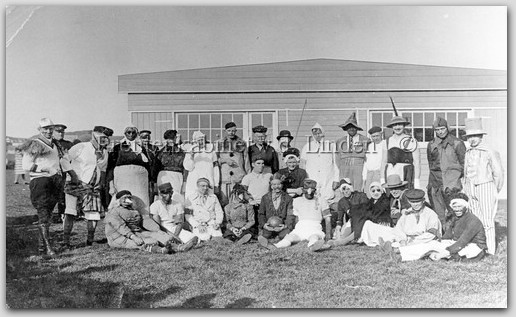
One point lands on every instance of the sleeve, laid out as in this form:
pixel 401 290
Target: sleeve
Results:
pixel 291 219
pixel 154 209
pixel 262 215
pixel 342 209
pixel 246 181
pixel 180 215
pixel 28 163
pixel 336 172
pixel 250 216
pixel 275 162
pixel 118 223
pixel 188 162
pixel 219 213
pixel 216 170
pixel 496 167
pixel 247 162
pixel 228 219
pixel 460 151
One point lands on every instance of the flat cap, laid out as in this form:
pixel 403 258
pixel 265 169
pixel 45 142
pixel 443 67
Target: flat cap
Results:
pixel 165 188
pixel 259 129
pixel 415 195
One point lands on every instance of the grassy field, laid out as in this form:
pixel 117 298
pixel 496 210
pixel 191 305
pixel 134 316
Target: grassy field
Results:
pixel 221 275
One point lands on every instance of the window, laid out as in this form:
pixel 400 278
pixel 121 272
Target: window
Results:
pixel 212 123
pixel 421 127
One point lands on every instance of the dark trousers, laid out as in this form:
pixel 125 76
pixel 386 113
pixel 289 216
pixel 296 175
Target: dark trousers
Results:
pixel 44 194
pixel 61 202
pixel 272 234
pixel 228 234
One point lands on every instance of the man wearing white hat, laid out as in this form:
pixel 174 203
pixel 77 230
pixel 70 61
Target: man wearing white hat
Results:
pixel 45 161
pixel 88 160
pixel 483 179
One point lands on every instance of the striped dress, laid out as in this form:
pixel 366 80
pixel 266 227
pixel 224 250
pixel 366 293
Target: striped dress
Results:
pixel 18 169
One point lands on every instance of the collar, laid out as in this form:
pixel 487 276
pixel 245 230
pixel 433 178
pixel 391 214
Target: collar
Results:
pixel 480 147
pixel 447 140
pixel 46 141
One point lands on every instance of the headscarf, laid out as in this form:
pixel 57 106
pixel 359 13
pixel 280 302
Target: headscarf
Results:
pixel 135 144
pixel 376 184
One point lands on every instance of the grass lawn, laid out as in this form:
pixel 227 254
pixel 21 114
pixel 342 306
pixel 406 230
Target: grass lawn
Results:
pixel 221 275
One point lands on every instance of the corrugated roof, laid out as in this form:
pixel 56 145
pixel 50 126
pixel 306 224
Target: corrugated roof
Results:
pixel 314 75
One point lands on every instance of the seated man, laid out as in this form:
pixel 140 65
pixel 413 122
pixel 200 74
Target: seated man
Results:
pixel 464 239
pixel 275 203
pixel 292 176
pixel 169 214
pixel 239 216
pixel 310 211
pixel 419 224
pixel 351 199
pixel 204 212
pixel 396 189
pixel 126 228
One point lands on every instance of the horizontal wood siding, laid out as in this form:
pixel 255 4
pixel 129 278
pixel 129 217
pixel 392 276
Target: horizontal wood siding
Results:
pixel 156 122
pixel 314 75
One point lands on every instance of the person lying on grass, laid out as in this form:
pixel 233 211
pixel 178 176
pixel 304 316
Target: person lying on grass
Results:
pixel 376 210
pixel 169 214
pixel 276 203
pixel 204 212
pixel 125 227
pixel 310 211
pixel 419 224
pixel 239 216
pixel 464 240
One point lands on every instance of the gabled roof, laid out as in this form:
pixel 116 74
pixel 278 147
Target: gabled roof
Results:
pixel 313 75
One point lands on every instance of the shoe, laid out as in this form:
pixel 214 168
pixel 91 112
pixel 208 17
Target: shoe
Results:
pixel 316 246
pixel 331 243
pixel 387 247
pixel 265 243
pixel 89 243
pixel 326 246
pixel 245 238
pixel 187 246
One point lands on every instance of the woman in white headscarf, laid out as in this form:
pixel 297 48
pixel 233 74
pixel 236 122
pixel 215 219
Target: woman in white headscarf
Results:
pixel 200 161
pixel 128 169
pixel 318 159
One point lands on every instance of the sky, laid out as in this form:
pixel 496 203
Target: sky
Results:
pixel 63 62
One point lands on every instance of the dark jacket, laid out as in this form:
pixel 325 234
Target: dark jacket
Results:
pixel 446 162
pixel 284 210
pixel 464 230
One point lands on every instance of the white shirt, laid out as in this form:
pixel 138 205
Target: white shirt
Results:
pixel 257 184
pixel 374 156
pixel 321 165
pixel 170 214
pixel 310 209
pixel 209 212
pixel 84 161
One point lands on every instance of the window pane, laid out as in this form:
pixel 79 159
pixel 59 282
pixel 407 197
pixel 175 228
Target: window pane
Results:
pixel 256 119
pixel 215 120
pixel 182 121
pixel 267 120
pixel 184 134
pixel 429 134
pixel 408 131
pixel 238 119
pixel 377 119
pixel 215 135
pixel 418 119
pixel 429 119
pixel 207 133
pixel 462 116
pixel 193 120
pixel 418 134
pixel 451 117
pixel 240 132
pixel 205 121
pixel 227 117
pixel 387 116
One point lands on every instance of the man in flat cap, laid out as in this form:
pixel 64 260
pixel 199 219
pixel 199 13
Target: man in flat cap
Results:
pixel 375 158
pixel 309 211
pixel 105 197
pixel 169 214
pixel 88 160
pixel 233 159
pixel 59 133
pixel 262 148
pixel 45 161
pixel 351 152
pixel 127 228
pixel 445 154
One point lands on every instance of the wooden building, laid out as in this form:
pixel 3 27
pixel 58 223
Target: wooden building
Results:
pixel 294 95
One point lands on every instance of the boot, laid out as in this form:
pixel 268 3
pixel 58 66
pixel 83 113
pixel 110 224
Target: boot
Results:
pixel 45 236
pixel 91 225
pixel 67 230
pixel 152 248
pixel 41 243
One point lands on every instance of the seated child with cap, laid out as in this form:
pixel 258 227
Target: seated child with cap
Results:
pixel 239 216
pixel 169 214
pixel 419 224
pixel 204 212
pixel 126 228
pixel 310 211
pixel 464 239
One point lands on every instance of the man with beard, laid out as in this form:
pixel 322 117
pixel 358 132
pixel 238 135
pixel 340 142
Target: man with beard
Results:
pixel 309 211
pixel 445 154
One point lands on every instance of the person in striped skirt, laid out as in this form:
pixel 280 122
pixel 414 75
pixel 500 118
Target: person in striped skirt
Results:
pixel 19 172
pixel 483 179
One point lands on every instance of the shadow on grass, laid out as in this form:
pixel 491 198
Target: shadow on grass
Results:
pixel 145 297
pixel 201 301
pixel 243 302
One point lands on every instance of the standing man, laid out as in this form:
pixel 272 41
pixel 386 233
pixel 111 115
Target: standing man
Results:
pixel 59 133
pixel 105 197
pixel 88 161
pixel 351 151
pixel 284 139
pixel 319 161
pixel 483 179
pixel 233 160
pixel 44 160
pixel 376 151
pixel 169 164
pixel 145 136
pixel 445 154
pixel 262 148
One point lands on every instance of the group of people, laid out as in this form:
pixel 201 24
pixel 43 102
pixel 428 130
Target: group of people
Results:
pixel 170 198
